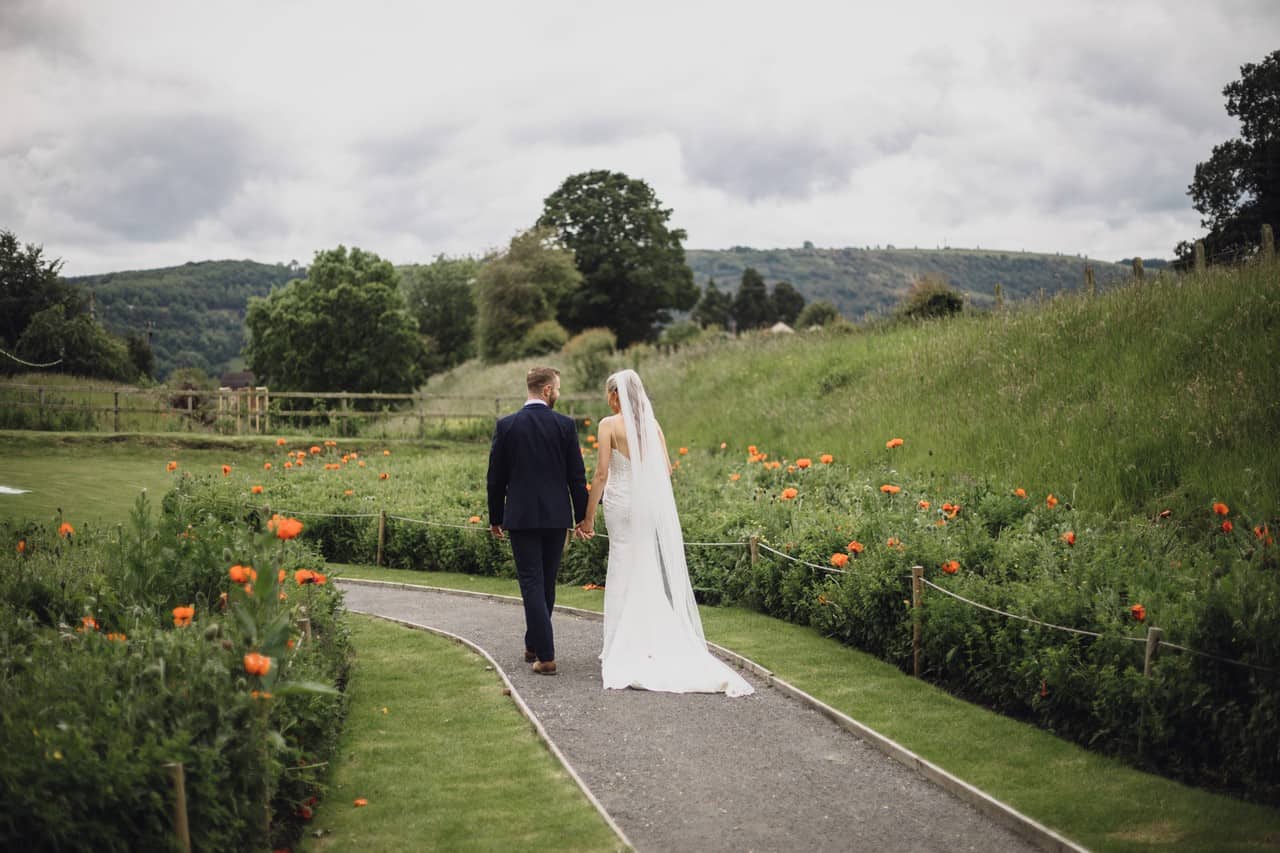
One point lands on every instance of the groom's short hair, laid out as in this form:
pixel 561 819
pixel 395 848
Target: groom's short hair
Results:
pixel 540 377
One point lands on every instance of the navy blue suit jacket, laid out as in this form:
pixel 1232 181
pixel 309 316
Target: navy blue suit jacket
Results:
pixel 536 475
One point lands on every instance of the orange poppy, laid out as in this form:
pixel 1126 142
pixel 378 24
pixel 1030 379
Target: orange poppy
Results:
pixel 386 453
pixel 315 450
pixel 733 478
pixel 1051 501
pixel 890 489
pixel 855 546
pixel 592 586
pixel 892 443
pixel 839 560
pixel 1165 513
pixel 791 469
pixel 684 451
pixel 226 469
pixel 1020 493
pixel 349 492
pixel 789 494
pixel 321 580
pixel 475 519
pixel 288 464
pixel 1069 537
pixel 751 448
pixel 723 445
pixel 893 542
pixel 22 546
pixel 1227 526
pixel 256 664
pixel 1138 612
pixel 822 599
pixel 586 422
pixel 88 623
pixel 304 576
pixel 119 637
pixel 826 459
pixel 266 466
pixel 285 528
pixel 923 504
pixel 331 443
pixel 360 463
pixel 183 615
pixel 259 694
pixel 241 574
pixel 257 490
pixel 361 801
pixel 384 475
pixel 804 462
pixel 172 466
pixel 952 510
pixel 773 466
pixel 1221 508
pixel 65 529
pixel 951 566
pixel 279 442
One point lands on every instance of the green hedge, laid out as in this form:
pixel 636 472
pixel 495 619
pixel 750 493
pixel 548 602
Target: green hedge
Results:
pixel 89 720
pixel 1203 721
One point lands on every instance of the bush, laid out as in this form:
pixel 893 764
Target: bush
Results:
pixel 930 296
pixel 683 332
pixel 590 357
pixel 100 689
pixel 545 337
pixel 818 313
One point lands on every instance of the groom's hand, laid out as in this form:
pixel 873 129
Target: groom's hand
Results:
pixel 584 530
pixel 496 531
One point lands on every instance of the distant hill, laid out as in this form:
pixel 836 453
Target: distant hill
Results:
pixel 870 281
pixel 197 309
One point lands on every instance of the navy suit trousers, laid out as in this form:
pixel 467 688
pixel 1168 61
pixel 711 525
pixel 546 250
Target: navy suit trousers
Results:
pixel 537 553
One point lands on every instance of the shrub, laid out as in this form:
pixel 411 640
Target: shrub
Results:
pixel 818 313
pixel 930 296
pixel 545 337
pixel 590 357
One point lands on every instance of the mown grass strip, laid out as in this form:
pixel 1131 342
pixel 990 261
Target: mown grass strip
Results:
pixel 1093 800
pixel 443 758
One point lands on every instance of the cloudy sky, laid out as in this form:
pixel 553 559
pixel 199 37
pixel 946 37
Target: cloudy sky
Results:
pixel 141 134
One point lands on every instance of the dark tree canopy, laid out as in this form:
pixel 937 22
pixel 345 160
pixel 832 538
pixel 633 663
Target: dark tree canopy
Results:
pixel 633 267
pixel 714 308
pixel 787 302
pixel 1237 190
pixel 440 297
pixel 28 285
pixel 520 289
pixel 343 327
pixel 752 307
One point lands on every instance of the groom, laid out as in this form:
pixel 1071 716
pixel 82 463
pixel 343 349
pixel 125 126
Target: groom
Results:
pixel 537 492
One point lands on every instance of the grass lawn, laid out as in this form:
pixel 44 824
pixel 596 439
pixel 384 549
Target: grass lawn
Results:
pixel 1098 802
pixel 445 760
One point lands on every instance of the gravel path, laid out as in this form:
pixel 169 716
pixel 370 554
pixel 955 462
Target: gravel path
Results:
pixel 703 772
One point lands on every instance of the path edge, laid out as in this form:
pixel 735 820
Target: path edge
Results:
pixel 1006 815
pixel 520 704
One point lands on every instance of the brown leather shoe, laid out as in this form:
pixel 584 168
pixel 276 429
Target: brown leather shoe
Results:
pixel 529 657
pixel 544 667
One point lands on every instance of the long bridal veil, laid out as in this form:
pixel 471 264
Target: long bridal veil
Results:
pixel 654 518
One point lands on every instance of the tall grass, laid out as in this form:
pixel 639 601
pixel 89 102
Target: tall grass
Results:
pixel 1154 392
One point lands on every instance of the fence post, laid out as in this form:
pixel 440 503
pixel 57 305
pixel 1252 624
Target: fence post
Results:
pixel 266 407
pixel 1268 243
pixel 1137 269
pixel 41 404
pixel 754 544
pixel 115 420
pixel 1153 647
pixel 1090 284
pixel 180 826
pixel 1200 262
pixel 917 592
pixel 190 409
pixel 382 534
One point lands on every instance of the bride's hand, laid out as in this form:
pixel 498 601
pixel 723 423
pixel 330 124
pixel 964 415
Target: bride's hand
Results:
pixel 585 529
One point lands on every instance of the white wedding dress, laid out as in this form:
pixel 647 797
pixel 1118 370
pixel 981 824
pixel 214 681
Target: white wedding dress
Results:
pixel 653 636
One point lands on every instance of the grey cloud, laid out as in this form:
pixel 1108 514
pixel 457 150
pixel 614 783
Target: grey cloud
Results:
pixel 755 167
pixel 139 178
pixel 29 24
pixel 408 152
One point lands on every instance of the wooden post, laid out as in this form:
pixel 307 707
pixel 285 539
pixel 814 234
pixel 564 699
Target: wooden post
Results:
pixel 1137 269
pixel 266 408
pixel 42 404
pixel 190 409
pixel 1200 262
pixel 998 293
pixel 180 826
pixel 1268 243
pixel 754 544
pixel 382 534
pixel 346 407
pixel 1153 647
pixel 421 405
pixel 917 592
pixel 1090 283
pixel 115 419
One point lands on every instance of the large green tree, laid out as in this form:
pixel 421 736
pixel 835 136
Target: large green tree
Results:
pixel 714 308
pixel 78 342
pixel 632 264
pixel 520 289
pixel 787 302
pixel 343 327
pixel 29 283
pixel 440 295
pixel 752 307
pixel 1237 190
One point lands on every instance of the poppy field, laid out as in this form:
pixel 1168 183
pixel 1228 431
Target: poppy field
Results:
pixel 171 639
pixel 835 547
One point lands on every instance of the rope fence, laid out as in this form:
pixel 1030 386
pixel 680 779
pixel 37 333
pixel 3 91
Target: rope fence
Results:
pixel 25 363
pixel 1153 640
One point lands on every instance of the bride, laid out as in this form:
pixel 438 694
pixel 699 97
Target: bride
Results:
pixel 652 632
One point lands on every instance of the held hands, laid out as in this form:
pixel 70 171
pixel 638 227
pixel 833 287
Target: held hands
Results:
pixel 585 529
pixel 496 531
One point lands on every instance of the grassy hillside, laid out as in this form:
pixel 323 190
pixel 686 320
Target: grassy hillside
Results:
pixel 862 281
pixel 198 308
pixel 1144 394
